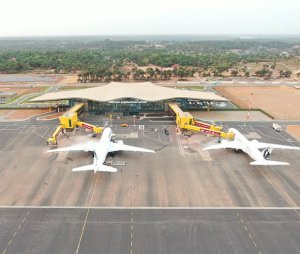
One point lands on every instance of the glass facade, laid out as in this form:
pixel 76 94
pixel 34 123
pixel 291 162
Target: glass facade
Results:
pixel 132 106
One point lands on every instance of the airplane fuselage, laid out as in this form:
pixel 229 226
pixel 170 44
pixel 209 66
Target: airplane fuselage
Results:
pixel 247 146
pixel 103 147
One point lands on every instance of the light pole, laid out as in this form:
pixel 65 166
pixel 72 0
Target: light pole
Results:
pixel 134 116
pixel 249 108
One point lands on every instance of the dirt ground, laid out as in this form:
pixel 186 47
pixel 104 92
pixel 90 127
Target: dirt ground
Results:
pixel 21 90
pixel 72 79
pixel 294 131
pixel 278 101
pixel 20 114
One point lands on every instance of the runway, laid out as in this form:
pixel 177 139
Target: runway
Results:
pixel 98 230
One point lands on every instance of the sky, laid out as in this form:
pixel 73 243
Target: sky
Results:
pixel 138 17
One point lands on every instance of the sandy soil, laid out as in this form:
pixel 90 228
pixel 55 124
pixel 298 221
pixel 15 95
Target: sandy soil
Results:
pixel 278 101
pixel 294 131
pixel 72 79
pixel 20 114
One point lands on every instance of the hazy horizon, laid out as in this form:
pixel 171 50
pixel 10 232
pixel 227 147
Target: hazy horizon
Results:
pixel 135 17
pixel 159 37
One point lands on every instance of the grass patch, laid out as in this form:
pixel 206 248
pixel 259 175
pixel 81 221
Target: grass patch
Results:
pixel 194 88
pixel 44 89
pixel 13 99
pixel 73 87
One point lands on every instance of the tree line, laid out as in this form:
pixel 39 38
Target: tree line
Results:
pixel 150 74
pixel 98 58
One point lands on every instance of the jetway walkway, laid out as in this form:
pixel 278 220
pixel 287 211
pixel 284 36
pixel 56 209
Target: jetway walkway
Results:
pixel 185 120
pixel 69 120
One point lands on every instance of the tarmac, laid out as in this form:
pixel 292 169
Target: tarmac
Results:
pixel 105 230
pixel 231 116
pixel 179 200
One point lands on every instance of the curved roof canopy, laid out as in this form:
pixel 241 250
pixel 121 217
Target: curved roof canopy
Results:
pixel 146 91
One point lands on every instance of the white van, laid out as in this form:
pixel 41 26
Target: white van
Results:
pixel 276 127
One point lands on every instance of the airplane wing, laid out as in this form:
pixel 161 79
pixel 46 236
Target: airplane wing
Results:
pixel 224 144
pixel 87 147
pixel 113 147
pixel 268 163
pixel 260 145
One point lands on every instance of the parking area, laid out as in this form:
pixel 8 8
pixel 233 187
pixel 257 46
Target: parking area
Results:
pixel 180 174
pixel 180 200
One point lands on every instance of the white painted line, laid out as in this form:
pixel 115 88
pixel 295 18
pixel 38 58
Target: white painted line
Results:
pixel 153 208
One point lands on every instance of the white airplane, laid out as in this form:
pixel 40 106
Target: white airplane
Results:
pixel 251 148
pixel 100 150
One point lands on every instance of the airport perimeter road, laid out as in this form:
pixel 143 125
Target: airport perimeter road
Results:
pixel 148 231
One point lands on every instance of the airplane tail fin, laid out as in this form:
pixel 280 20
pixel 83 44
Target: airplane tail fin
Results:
pixel 96 168
pixel 269 163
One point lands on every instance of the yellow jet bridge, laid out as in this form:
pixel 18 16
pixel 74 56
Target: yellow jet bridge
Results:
pixel 185 120
pixel 69 120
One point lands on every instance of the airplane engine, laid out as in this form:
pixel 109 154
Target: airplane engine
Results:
pixel 267 153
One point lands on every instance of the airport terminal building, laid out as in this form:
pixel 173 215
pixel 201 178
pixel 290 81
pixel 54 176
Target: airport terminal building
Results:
pixel 133 98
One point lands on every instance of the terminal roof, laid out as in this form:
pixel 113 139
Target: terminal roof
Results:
pixel 145 91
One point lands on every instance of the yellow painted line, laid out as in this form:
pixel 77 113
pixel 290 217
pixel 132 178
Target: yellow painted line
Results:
pixel 82 231
pixel 86 217
pixel 273 185
pixel 297 213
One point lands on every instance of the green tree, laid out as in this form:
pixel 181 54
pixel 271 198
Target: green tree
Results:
pixel 234 73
